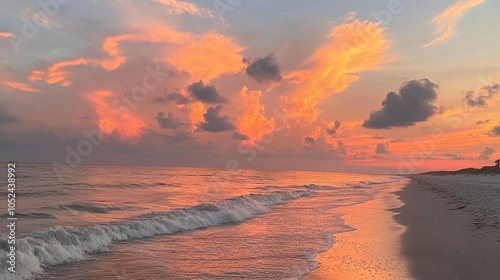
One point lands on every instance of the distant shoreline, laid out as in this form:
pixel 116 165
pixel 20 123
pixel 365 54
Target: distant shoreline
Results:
pixel 487 170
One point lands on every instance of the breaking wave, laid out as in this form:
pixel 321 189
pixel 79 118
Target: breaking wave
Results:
pixel 54 246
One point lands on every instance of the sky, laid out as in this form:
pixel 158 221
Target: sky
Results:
pixel 377 86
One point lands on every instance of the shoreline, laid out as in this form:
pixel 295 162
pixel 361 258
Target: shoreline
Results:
pixel 411 231
pixel 373 250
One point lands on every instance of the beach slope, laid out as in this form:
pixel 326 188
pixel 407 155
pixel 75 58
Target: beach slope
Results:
pixel 451 227
pixel 432 227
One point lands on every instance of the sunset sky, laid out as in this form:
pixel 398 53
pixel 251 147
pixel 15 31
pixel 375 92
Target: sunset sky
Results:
pixel 350 86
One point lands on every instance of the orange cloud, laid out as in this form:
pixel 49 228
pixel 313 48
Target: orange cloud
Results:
pixel 54 73
pixel 196 114
pixel 111 119
pixel 204 57
pixel 208 56
pixel 176 7
pixel 19 86
pixel 252 121
pixel 5 35
pixel 316 133
pixel 350 48
pixel 447 20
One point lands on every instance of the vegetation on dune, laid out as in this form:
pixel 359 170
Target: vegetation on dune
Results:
pixel 488 170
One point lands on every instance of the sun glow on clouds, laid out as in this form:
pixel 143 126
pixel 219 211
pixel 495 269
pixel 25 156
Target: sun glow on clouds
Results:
pixel 351 48
pixel 176 7
pixel 114 120
pixel 196 114
pixel 207 56
pixel 252 121
pixel 204 57
pixel 19 86
pixel 446 21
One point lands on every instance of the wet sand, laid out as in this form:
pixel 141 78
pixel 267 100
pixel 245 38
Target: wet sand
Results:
pixel 410 232
pixel 373 250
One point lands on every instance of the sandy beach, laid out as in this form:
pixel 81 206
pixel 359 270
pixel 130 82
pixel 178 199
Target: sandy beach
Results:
pixel 414 231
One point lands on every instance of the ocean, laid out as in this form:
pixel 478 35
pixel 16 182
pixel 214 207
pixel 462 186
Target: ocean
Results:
pixel 117 222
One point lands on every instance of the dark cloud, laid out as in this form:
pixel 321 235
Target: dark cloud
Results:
pixel 486 153
pixel 396 140
pixel 335 128
pixel 177 138
pixel 359 156
pixel 496 131
pixel 341 148
pixel 215 122
pixel 481 122
pixel 168 121
pixel 239 136
pixel 481 98
pixel 264 69
pixel 28 140
pixel 320 149
pixel 205 93
pixel 169 98
pixel 455 156
pixel 309 140
pixel 382 149
pixel 413 103
pixel 5 117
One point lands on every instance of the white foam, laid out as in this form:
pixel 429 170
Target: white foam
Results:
pixel 55 246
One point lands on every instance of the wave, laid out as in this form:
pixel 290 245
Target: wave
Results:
pixel 311 187
pixel 54 246
pixel 30 216
pixel 91 207
pixel 48 193
pixel 369 184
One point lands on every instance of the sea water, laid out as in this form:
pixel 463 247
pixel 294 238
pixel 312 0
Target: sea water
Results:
pixel 116 222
